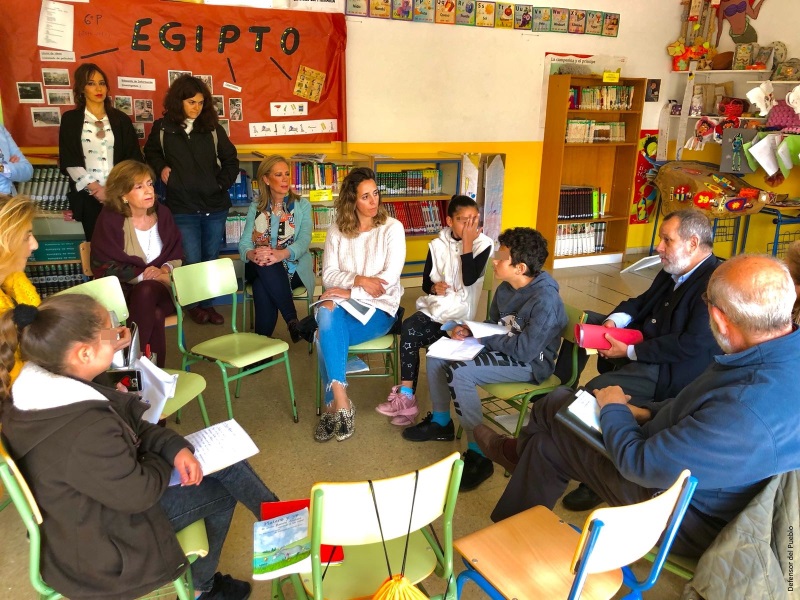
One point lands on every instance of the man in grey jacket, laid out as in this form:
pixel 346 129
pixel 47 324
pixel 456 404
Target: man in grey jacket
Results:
pixel 734 427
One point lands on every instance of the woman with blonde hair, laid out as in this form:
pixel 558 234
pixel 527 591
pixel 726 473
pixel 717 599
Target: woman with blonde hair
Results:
pixel 137 241
pixel 364 255
pixel 17 243
pixel 792 260
pixel 274 247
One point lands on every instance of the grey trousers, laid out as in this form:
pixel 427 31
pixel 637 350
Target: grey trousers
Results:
pixel 458 381
pixel 551 455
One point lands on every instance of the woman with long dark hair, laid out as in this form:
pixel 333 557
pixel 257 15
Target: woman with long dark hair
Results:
pixel 365 251
pixel 93 138
pixel 192 155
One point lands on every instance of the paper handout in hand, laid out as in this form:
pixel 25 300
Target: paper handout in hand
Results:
pixel 582 417
pixel 594 336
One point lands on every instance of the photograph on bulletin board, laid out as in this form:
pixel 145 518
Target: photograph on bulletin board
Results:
pixel 249 58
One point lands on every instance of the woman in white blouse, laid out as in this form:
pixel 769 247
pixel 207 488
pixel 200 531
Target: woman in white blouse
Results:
pixel 136 240
pixel 364 254
pixel 93 137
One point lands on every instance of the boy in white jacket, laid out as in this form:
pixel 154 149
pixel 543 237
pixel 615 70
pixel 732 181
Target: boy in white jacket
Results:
pixel 452 280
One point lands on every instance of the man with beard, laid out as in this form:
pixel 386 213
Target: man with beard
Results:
pixel 673 319
pixel 733 427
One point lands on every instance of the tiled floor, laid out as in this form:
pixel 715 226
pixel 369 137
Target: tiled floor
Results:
pixel 290 461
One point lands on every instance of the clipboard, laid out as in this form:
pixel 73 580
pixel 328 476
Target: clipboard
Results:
pixel 578 425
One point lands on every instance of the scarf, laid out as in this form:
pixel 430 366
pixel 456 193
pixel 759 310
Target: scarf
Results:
pixel 17 289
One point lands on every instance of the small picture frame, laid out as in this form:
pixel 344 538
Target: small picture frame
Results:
pixel 219 105
pixel 60 97
pixel 742 56
pixel 56 77
pixel 30 92
pixel 124 104
pixel 763 56
pixel 675 109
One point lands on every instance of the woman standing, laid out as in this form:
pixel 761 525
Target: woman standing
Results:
pixel 364 254
pixel 138 242
pixel 191 153
pixel 274 246
pixel 93 137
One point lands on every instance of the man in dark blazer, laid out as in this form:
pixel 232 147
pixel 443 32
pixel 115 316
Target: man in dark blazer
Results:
pixel 678 344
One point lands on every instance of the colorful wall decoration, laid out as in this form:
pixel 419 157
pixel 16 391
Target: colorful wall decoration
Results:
pixel 273 73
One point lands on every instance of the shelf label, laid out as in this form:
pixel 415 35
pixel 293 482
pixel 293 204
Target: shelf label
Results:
pixel 610 76
pixel 320 195
pixel 318 237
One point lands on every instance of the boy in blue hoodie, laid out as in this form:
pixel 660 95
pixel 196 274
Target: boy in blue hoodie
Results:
pixel 528 301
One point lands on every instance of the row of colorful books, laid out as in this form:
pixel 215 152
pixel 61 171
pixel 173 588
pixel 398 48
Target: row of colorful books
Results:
pixel 581 202
pixel 47 187
pixel 588 131
pixel 307 175
pixel 500 15
pixel 606 97
pixel 419 217
pixel 323 216
pixel 415 182
pixel 234 226
pixel 51 279
pixel 580 238
pixel 316 260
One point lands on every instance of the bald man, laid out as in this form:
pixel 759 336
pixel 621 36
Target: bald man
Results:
pixel 734 427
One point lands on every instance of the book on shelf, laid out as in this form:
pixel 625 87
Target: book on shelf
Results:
pixel 419 217
pixel 578 202
pixel 605 97
pixel 413 182
pixel 589 131
pixel 579 238
pixel 317 175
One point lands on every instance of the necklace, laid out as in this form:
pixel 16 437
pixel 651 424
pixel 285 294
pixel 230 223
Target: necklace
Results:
pixel 279 211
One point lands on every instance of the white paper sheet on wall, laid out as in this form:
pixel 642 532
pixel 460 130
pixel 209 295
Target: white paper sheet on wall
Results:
pixel 56 25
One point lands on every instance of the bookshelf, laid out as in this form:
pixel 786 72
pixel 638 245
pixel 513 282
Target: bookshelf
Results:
pixel 609 167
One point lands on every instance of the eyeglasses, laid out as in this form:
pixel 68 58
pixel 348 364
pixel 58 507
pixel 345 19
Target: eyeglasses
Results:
pixel 101 130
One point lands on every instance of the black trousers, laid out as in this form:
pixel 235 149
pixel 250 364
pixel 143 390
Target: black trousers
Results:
pixel 418 331
pixel 551 456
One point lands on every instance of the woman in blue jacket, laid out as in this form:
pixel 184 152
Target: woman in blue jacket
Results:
pixel 274 247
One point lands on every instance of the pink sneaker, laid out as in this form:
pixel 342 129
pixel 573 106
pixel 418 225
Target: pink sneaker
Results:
pixel 398 404
pixel 405 420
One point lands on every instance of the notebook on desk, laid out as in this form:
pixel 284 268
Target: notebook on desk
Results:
pixel 582 417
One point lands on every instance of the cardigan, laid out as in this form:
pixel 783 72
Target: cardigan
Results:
pixel 17 289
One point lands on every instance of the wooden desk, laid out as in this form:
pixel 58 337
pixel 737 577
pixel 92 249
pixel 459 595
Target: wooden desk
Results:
pixel 528 556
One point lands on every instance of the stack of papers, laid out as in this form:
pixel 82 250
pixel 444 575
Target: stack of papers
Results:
pixel 455 349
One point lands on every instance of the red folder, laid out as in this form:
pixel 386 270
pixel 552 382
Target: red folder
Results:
pixel 594 336
pixel 270 510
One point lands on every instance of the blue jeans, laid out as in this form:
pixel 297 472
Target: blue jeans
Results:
pixel 214 500
pixel 272 293
pixel 337 331
pixel 201 235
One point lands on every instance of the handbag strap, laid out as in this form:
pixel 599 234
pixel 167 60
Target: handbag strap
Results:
pixel 408 531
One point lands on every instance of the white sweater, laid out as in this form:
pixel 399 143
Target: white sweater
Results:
pixel 379 252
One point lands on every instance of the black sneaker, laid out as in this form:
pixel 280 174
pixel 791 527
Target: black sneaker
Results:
pixel 428 431
pixel 226 587
pixel 581 498
pixel 477 469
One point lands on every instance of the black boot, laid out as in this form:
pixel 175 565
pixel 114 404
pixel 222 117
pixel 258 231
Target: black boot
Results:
pixel 581 498
pixel 294 333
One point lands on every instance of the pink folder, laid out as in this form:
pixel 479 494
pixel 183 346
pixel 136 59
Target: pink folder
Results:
pixel 593 336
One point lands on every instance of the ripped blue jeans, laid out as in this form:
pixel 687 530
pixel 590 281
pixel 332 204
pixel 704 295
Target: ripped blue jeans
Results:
pixel 338 330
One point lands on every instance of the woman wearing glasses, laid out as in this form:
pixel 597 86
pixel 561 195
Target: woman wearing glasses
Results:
pixel 191 154
pixel 93 137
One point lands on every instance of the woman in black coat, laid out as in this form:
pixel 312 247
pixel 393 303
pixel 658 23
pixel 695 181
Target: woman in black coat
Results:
pixel 93 137
pixel 192 155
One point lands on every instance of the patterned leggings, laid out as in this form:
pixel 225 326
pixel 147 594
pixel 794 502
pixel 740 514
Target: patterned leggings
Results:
pixel 418 331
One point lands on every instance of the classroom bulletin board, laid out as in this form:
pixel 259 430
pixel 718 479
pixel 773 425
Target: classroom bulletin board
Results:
pixel 275 75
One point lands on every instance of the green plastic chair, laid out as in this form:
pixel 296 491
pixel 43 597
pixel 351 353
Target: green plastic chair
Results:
pixel 343 514
pixel 248 304
pixel 193 539
pixel 249 353
pixel 505 397
pixel 386 345
pixel 108 292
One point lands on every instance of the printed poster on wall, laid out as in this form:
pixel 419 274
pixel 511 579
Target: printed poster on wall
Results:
pixel 645 193
pixel 249 57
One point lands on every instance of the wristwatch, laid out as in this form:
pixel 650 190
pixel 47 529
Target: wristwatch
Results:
pixel 2 168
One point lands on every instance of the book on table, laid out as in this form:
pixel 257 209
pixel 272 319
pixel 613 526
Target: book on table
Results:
pixel 581 416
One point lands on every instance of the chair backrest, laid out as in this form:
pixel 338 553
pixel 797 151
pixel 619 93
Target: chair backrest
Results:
pixel 204 280
pixel 567 365
pixel 107 291
pixel 344 513
pixel 85 249
pixel 31 517
pixel 575 316
pixel 615 537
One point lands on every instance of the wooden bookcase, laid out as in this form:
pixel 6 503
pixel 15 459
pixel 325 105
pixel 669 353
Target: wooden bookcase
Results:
pixel 609 166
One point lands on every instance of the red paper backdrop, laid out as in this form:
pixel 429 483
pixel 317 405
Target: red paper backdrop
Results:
pixel 101 26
